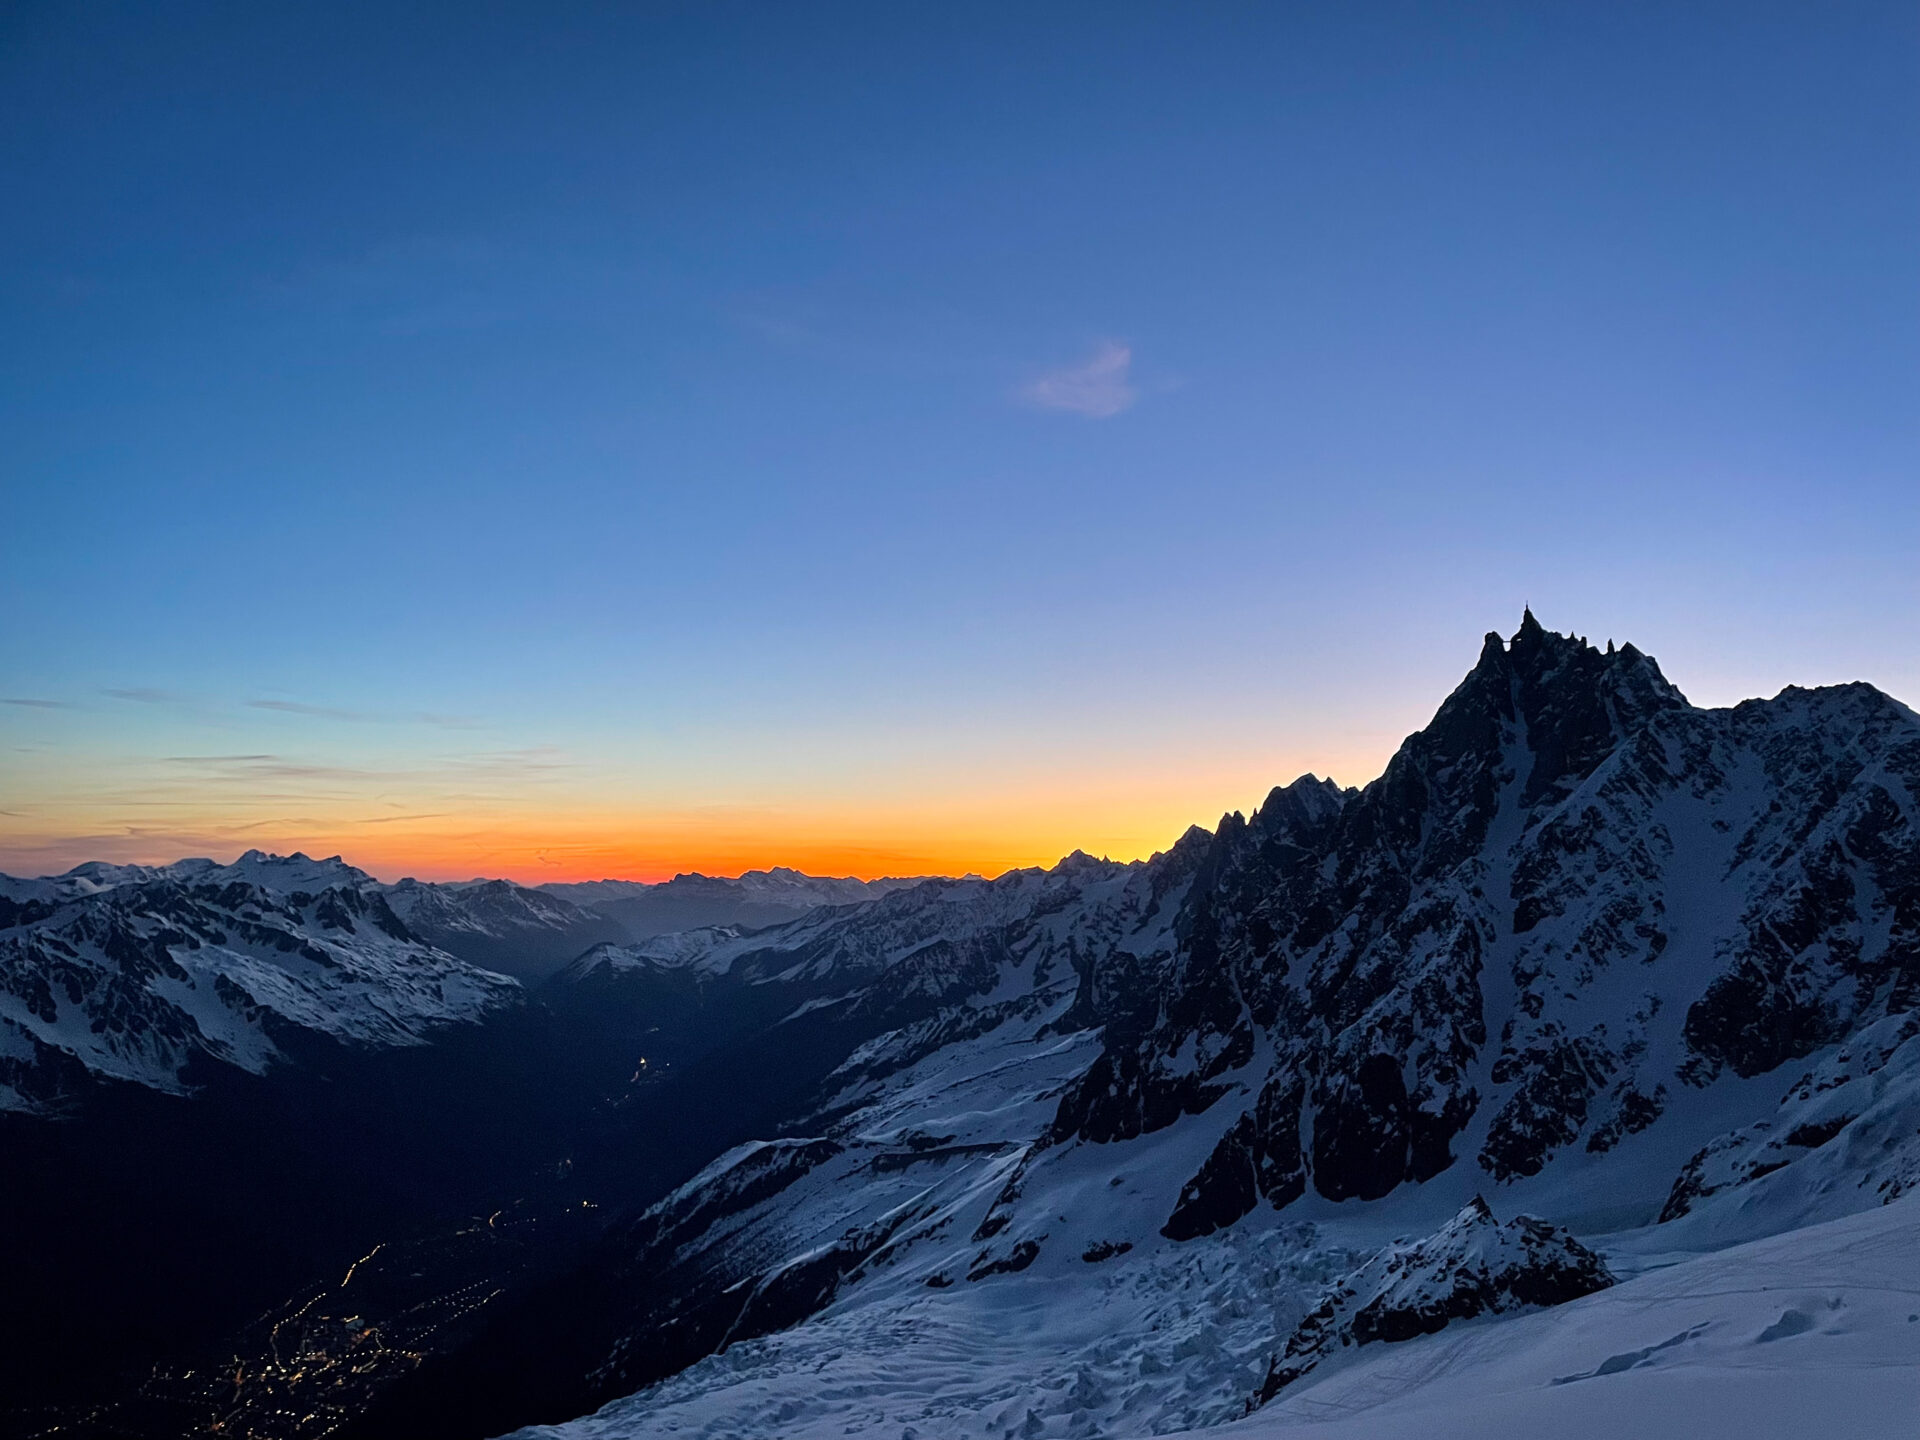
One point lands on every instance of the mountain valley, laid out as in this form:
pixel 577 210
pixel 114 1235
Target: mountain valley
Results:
pixel 1592 995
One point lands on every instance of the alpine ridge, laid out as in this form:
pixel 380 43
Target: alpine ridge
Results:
pixel 1211 1138
pixel 1643 970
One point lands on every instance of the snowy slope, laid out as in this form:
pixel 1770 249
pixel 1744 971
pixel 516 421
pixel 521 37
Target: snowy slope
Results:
pixel 1643 970
pixel 1809 1333
pixel 1814 1332
pixel 1692 1346
pixel 932 1326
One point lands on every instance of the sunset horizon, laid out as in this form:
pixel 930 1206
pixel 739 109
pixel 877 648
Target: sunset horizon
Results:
pixel 1061 721
pixel 870 827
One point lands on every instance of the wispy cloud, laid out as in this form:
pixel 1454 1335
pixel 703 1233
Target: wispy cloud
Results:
pixel 318 712
pixel 367 717
pixel 147 695
pixel 251 769
pixel 1098 389
pixel 489 766
pixel 33 704
pixel 533 760
pixel 218 759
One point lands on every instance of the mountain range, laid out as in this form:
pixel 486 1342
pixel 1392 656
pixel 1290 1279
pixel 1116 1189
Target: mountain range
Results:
pixel 127 971
pixel 1574 1059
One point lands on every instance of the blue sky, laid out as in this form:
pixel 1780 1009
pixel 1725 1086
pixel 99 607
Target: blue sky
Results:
pixel 899 437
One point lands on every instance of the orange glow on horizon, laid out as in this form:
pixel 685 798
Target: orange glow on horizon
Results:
pixel 537 849
pixel 1024 818
pixel 591 844
pixel 538 853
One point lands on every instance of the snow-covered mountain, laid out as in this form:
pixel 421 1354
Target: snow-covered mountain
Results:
pixel 518 931
pixel 1566 931
pixel 1518 1075
pixel 754 900
pixel 129 972
pixel 134 973
pixel 1642 973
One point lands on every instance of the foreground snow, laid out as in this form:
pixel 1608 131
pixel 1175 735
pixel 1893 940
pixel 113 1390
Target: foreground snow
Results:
pixel 1813 1332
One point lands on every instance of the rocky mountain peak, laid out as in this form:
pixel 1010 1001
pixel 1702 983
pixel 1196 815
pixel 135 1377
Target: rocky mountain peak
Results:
pixel 1473 1265
pixel 1544 708
pixel 1307 800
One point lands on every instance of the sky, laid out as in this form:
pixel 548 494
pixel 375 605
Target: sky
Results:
pixel 560 441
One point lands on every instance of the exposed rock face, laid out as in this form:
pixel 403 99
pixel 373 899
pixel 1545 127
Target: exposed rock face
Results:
pixel 1570 895
pixel 1473 1265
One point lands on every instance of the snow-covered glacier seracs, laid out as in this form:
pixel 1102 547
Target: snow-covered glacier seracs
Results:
pixel 1473 1265
pixel 1809 1332
pixel 131 973
pixel 1642 972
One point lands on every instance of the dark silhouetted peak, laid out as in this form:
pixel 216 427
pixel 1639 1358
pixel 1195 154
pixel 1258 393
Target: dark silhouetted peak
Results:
pixel 1541 711
pixel 1182 858
pixel 1306 802
pixel 1550 694
pixel 1080 864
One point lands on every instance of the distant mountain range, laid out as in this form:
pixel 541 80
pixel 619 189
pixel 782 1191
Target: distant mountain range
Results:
pixel 1593 1022
pixel 125 971
pixel 690 902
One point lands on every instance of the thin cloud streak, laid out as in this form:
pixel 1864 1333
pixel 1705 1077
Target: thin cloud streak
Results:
pixel 250 769
pixel 1099 389
pixel 367 717
pixel 32 704
pixel 317 712
pixel 537 763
